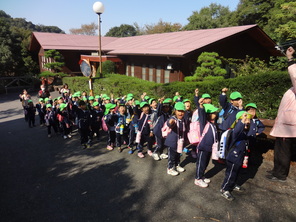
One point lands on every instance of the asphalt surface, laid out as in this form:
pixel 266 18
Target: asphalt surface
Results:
pixel 52 179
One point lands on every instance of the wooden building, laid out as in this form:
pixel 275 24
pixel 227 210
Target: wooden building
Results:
pixel 161 58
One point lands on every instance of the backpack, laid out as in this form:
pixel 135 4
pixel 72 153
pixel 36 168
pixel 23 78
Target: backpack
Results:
pixel 194 135
pixel 223 116
pixel 165 130
pixel 224 145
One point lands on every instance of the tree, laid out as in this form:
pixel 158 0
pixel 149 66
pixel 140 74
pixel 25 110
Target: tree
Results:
pixel 214 16
pixel 162 27
pixel 86 29
pixel 210 66
pixel 58 60
pixel 123 30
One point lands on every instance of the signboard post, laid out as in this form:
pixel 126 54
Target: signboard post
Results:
pixel 87 72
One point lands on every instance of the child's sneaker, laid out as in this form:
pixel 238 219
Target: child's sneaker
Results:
pixel 69 136
pixel 109 147
pixel 227 195
pixel 239 188
pixel 163 156
pixel 180 169
pixel 155 156
pixel 206 180
pixel 141 155
pixel 65 137
pixel 119 149
pixel 131 151
pixel 149 152
pixel 200 183
pixel 172 172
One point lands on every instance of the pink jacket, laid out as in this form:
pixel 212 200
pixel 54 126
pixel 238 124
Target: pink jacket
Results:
pixel 285 122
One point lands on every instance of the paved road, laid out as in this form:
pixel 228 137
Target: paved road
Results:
pixel 53 179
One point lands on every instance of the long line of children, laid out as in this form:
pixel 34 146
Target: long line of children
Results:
pixel 163 122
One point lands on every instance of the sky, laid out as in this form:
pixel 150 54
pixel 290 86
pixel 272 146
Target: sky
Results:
pixel 67 14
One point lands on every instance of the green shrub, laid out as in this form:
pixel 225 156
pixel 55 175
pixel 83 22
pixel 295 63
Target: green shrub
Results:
pixel 265 89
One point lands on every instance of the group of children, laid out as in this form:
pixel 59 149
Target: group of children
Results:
pixel 158 124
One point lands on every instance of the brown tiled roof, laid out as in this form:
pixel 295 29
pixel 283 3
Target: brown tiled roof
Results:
pixel 70 42
pixel 171 44
pixel 174 43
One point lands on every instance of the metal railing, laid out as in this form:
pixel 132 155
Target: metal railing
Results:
pixel 17 82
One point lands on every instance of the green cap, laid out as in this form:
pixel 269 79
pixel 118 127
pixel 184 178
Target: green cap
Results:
pixel 46 99
pixel 91 98
pixel 63 106
pixel 130 95
pixel 129 98
pixel 206 96
pixel 151 100
pixel 30 101
pixel 95 104
pixel 253 105
pixel 137 102
pixel 179 106
pixel 168 100
pixel 48 105
pixel 97 97
pixel 55 99
pixel 186 100
pixel 41 100
pixel 235 95
pixel 107 98
pixel 176 97
pixel 84 98
pixel 146 97
pixel 104 95
pixel 142 104
pixel 209 108
pixel 108 107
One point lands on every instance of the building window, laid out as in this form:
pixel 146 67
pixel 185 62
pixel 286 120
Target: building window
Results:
pixel 132 70
pixel 158 74
pixel 126 70
pixel 151 73
pixel 144 72
pixel 167 76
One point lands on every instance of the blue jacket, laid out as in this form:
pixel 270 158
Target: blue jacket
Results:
pixel 230 112
pixel 146 126
pixel 207 142
pixel 239 142
pixel 172 138
pixel 160 122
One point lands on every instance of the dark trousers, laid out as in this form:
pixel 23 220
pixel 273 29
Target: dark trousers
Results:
pixel 84 135
pixel 41 118
pixel 173 158
pixel 159 144
pixel 132 137
pixel 120 138
pixel 282 156
pixel 54 126
pixel 111 138
pixel 95 129
pixel 231 174
pixel 144 139
pixel 31 121
pixel 202 161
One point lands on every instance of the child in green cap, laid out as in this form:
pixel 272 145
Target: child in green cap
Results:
pixel 175 139
pixel 110 120
pixel 41 108
pixel 50 120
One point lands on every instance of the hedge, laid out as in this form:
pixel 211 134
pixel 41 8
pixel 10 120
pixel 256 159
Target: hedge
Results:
pixel 264 89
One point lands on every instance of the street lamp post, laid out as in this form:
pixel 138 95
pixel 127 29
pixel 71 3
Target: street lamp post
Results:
pixel 98 8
